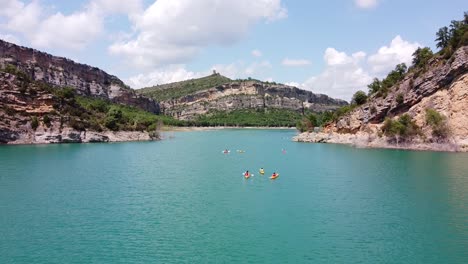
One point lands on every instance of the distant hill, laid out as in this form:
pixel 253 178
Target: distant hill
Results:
pixel 179 89
pixel 192 99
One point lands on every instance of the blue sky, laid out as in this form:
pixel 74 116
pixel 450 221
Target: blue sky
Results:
pixel 334 47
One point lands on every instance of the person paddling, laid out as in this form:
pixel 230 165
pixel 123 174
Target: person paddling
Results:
pixel 274 176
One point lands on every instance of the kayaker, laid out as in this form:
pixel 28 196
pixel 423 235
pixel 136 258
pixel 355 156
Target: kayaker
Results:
pixel 262 171
pixel 274 175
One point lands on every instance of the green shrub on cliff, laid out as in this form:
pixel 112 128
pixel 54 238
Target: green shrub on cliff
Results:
pixel 402 129
pixel 309 122
pixel 381 88
pixel 421 56
pixel 34 122
pixel 359 98
pixel 46 120
pixel 438 123
pixel 400 98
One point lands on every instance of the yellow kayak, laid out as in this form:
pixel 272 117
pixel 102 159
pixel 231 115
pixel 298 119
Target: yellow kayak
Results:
pixel 262 172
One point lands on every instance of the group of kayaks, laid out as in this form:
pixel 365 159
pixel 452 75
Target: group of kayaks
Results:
pixel 227 151
pixel 247 174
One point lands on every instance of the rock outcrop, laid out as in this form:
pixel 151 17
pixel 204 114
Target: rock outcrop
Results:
pixel 248 94
pixel 21 103
pixel 443 86
pixel 61 72
pixel 414 88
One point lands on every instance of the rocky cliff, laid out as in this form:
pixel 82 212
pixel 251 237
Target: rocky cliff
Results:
pixel 236 95
pixel 442 86
pixel 47 99
pixel 33 113
pixel 61 72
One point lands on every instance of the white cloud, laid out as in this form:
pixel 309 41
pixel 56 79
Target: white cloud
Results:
pixel 132 7
pixel 71 31
pixel 295 62
pixel 388 56
pixel 294 84
pixel 174 73
pixel 59 30
pixel 257 53
pixel 365 4
pixel 345 74
pixel 173 31
pixel 10 7
pixel 333 57
pixel 10 38
pixel 23 18
pixel 341 77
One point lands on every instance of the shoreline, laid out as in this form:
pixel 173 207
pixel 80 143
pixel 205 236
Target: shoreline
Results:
pixel 370 141
pixel 70 136
pixel 190 129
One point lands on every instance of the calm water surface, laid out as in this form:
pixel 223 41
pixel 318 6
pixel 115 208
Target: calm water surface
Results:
pixel 183 201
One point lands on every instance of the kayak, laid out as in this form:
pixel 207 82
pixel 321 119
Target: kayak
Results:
pixel 262 172
pixel 274 177
pixel 246 176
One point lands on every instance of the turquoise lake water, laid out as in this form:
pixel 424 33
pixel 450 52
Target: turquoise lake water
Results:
pixel 182 201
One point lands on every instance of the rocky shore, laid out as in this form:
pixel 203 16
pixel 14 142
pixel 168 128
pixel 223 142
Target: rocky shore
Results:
pixel 70 135
pixel 367 140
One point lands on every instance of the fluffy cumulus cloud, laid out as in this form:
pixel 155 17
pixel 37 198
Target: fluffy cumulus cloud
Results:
pixel 366 4
pixel 58 30
pixel 295 62
pixel 387 57
pixel 344 74
pixel 173 31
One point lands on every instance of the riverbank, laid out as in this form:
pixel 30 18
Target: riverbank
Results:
pixel 365 140
pixel 189 129
pixel 69 135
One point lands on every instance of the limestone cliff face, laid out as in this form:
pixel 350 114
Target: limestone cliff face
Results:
pixel 441 76
pixel 442 87
pixel 19 104
pixel 62 72
pixel 249 94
